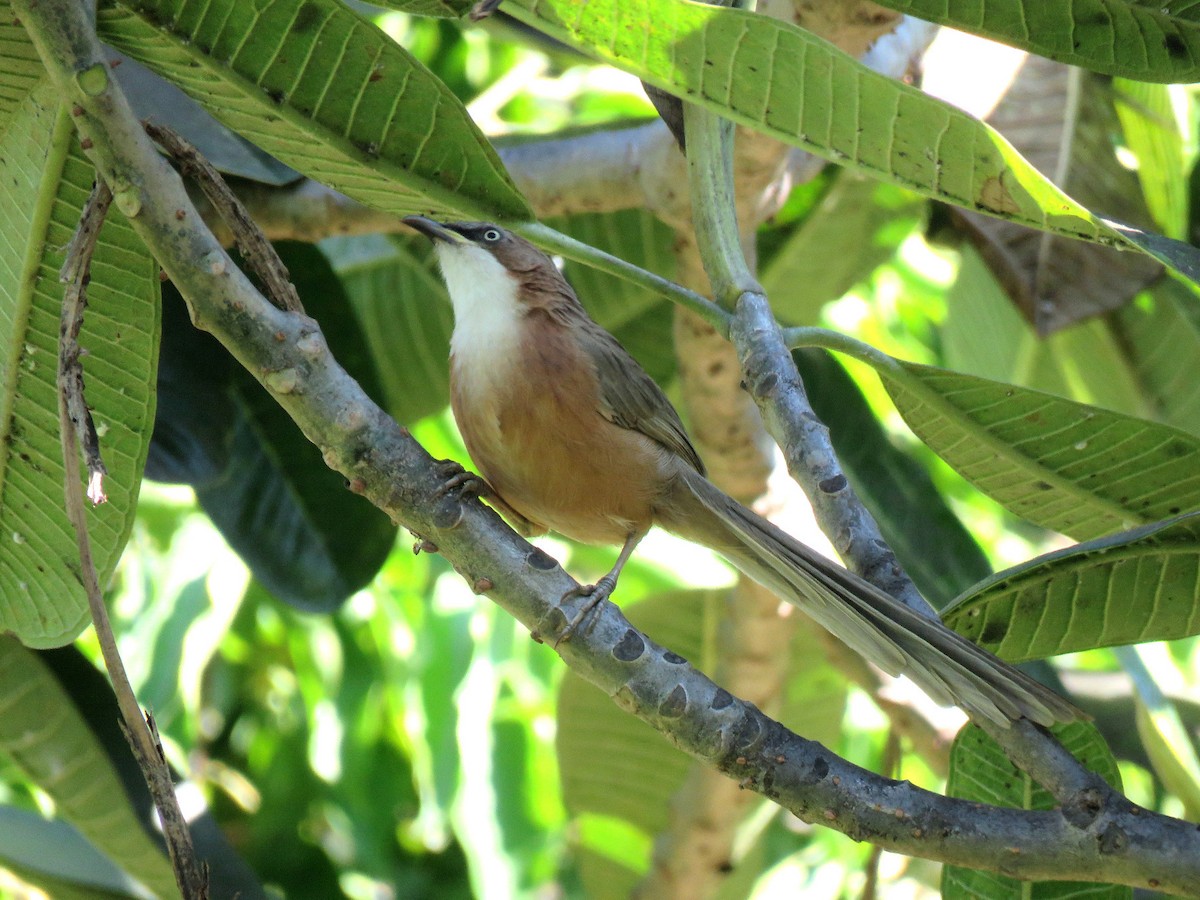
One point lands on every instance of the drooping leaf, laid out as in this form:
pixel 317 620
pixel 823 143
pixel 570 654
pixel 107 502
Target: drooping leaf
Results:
pixel 1074 468
pixel 787 83
pixel 1138 585
pixel 46 182
pixel 980 771
pixel 1142 39
pixel 44 734
pixel 319 87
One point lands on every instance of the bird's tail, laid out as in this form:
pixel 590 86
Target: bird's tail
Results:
pixel 947 666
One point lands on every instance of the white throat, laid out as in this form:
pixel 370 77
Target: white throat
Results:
pixel 487 314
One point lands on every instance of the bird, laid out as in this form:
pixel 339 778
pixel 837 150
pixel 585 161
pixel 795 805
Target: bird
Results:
pixel 569 434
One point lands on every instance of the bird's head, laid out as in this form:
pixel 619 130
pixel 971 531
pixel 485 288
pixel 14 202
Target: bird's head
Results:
pixel 479 257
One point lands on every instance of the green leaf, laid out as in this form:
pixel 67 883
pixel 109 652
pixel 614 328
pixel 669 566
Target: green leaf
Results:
pixel 47 738
pixel 46 183
pixel 1148 40
pixel 52 855
pixel 1139 585
pixel 321 88
pixel 1077 469
pixel 20 66
pixel 788 83
pixel 980 771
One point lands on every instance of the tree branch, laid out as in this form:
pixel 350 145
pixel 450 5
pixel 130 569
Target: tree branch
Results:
pixel 190 875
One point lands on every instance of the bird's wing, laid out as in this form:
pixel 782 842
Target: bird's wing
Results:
pixel 631 398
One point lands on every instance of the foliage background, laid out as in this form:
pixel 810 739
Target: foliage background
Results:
pixel 416 743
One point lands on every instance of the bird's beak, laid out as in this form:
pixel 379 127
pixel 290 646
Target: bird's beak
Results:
pixel 435 231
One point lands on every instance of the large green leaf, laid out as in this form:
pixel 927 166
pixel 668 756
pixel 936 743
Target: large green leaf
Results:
pixel 1150 40
pixel 46 182
pixel 1075 468
pixel 311 541
pixel 319 87
pixel 980 771
pixel 47 738
pixel 51 855
pixel 790 84
pixel 1139 585
pixel 20 67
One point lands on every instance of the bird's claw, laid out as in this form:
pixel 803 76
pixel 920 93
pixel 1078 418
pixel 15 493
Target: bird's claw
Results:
pixel 456 479
pixel 596 593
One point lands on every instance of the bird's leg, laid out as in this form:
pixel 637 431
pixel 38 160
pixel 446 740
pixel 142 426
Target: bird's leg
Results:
pixel 468 484
pixel 600 591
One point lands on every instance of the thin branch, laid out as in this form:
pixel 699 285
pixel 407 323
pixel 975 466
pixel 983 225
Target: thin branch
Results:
pixel 383 463
pixel 191 876
pixel 256 250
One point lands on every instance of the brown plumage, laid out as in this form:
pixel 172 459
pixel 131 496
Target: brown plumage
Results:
pixel 573 436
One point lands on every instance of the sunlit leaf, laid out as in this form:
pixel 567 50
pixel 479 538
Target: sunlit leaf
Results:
pixel 41 730
pixel 46 182
pixel 319 87
pixel 1139 585
pixel 1148 40
pixel 788 83
pixel 1074 468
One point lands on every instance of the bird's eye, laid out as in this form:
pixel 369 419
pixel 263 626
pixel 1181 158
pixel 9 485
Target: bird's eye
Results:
pixel 491 235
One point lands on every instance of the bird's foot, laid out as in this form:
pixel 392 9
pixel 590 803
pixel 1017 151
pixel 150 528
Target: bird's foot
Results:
pixel 596 594
pixel 456 479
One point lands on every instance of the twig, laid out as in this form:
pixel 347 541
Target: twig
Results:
pixel 256 250
pixel 75 273
pixel 191 876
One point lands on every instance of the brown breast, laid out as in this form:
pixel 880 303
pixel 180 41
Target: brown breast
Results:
pixel 535 433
